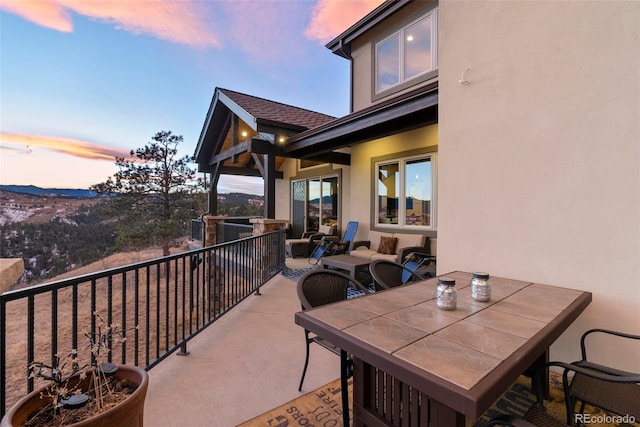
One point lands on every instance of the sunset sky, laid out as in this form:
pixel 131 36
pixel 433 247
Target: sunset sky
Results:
pixel 82 81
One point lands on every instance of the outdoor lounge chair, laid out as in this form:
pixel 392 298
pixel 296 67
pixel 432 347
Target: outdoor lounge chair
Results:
pixel 320 287
pixel 300 248
pixel 610 389
pixel 329 246
pixel 388 274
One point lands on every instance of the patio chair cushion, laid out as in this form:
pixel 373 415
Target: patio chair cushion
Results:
pixel 329 230
pixel 375 237
pixel 387 245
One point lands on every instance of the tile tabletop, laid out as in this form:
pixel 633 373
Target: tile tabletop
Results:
pixel 461 346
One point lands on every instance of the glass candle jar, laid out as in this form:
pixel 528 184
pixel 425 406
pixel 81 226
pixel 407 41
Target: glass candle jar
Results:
pixel 446 294
pixel 480 287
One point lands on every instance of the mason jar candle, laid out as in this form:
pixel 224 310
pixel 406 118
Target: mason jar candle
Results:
pixel 446 294
pixel 480 287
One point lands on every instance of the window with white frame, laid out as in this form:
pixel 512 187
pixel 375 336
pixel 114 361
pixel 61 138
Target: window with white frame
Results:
pixel 407 54
pixel 405 192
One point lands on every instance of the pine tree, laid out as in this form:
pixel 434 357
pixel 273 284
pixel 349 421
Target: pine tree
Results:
pixel 154 192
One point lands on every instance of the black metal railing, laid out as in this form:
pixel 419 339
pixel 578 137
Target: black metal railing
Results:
pixel 160 304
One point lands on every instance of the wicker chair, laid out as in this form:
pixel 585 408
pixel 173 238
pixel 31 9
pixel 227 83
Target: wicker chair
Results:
pixel 621 397
pixel 607 388
pixel 388 274
pixel 320 287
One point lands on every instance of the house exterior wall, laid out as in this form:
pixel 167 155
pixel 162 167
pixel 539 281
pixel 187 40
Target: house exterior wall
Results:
pixel 362 55
pixel 361 186
pixel 539 155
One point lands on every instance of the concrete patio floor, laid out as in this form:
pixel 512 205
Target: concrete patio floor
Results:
pixel 245 364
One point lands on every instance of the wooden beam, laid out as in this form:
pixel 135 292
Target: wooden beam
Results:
pixel 213 190
pixel 332 157
pixel 230 170
pixel 269 186
pixel 258 162
pixel 234 136
pixel 251 146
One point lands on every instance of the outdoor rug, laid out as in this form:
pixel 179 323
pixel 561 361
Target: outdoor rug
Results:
pixel 295 273
pixel 323 407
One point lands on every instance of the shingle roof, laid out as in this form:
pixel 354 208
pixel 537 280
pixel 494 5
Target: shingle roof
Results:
pixel 277 112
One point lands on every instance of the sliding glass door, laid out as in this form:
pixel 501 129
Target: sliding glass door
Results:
pixel 314 202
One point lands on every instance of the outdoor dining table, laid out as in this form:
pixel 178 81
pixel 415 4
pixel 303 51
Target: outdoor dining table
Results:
pixel 418 365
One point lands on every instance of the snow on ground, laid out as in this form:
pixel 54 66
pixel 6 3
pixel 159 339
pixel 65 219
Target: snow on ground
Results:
pixel 9 215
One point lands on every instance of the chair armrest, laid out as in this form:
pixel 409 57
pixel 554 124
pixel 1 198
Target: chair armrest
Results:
pixel 317 237
pixel 358 243
pixel 419 250
pixel 595 373
pixel 307 234
pixel 583 343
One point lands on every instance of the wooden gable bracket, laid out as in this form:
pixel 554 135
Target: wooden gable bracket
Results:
pixel 253 146
pixel 258 162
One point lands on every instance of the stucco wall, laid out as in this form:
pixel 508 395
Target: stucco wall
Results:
pixel 361 155
pixel 362 55
pixel 539 156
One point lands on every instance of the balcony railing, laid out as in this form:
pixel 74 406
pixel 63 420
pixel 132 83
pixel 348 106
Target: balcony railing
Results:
pixel 161 304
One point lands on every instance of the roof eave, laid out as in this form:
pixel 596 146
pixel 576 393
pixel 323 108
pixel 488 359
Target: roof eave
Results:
pixel 368 124
pixel 341 45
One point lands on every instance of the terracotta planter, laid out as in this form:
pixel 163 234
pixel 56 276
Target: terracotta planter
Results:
pixel 128 413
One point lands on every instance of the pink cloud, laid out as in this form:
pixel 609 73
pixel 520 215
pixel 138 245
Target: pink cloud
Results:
pixel 331 17
pixel 178 21
pixel 68 146
pixel 267 31
pixel 47 13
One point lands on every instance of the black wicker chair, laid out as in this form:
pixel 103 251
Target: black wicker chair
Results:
pixel 612 390
pixel 320 287
pixel 388 274
pixel 620 395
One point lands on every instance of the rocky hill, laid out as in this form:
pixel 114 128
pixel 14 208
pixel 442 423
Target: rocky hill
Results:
pixel 36 209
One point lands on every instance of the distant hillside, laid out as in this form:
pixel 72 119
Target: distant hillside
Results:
pixel 60 192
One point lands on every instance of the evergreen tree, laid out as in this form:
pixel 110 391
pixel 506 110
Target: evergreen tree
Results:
pixel 154 193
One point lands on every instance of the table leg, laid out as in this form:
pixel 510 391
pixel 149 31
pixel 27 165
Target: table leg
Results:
pixel 441 415
pixel 539 370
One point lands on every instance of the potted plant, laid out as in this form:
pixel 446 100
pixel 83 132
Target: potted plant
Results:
pixel 96 393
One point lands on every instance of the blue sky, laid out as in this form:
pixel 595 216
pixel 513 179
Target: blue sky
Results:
pixel 82 81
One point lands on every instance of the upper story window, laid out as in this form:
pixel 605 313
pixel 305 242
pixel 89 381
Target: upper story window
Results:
pixel 407 54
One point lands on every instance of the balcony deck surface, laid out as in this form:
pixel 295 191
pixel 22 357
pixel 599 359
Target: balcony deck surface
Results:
pixel 245 364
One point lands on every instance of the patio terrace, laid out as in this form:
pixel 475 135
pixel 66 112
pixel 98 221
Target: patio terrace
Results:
pixel 245 364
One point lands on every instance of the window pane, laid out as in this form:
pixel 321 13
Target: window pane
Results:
pixel 388 63
pixel 313 204
pixel 417 45
pixel 418 192
pixel 329 200
pixel 388 193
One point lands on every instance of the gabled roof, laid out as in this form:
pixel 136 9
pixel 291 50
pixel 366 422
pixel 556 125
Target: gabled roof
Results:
pixel 277 112
pixel 260 117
